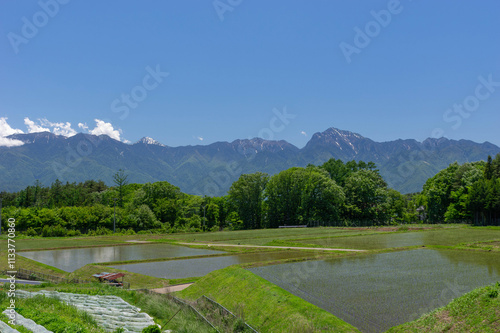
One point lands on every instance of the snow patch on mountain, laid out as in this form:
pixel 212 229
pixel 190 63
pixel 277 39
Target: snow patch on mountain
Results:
pixel 150 141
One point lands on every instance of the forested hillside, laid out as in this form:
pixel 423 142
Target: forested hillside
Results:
pixel 211 169
pixel 332 194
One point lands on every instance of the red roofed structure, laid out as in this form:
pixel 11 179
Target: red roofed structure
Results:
pixel 111 278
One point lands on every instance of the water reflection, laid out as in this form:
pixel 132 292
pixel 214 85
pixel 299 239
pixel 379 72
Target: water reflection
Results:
pixel 482 260
pixel 414 238
pixel 72 259
pixel 176 269
pixel 376 292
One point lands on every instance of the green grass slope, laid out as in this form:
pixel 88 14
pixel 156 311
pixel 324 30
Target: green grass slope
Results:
pixel 264 305
pixel 476 311
pixel 53 314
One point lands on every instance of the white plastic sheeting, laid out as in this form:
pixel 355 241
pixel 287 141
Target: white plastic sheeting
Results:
pixel 4 328
pixel 29 324
pixel 110 312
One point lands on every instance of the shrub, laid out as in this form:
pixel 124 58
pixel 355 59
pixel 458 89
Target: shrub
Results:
pixel 103 231
pixel 493 294
pixel 72 233
pixel 151 329
pixel 55 231
pixel 46 231
pixel 239 325
pixel 59 231
pixel 130 231
pixel 31 232
pixel 403 228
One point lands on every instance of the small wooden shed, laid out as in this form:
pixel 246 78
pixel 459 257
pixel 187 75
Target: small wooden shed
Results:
pixel 111 278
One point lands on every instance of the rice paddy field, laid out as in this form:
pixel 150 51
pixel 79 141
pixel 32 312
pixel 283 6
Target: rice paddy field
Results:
pixel 375 292
pixel 448 237
pixel 72 259
pixel 267 236
pixel 400 274
pixel 196 267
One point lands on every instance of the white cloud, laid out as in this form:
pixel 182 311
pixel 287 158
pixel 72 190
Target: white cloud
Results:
pixel 303 133
pixel 6 130
pixel 45 125
pixel 199 138
pixel 83 126
pixel 6 142
pixel 103 127
pixel 34 128
pixel 63 129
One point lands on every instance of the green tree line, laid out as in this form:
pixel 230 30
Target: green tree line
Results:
pixel 332 194
pixel 464 193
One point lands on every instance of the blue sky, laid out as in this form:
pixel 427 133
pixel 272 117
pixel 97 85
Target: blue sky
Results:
pixel 384 69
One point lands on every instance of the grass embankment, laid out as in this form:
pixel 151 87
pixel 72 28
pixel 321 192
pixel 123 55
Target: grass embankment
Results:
pixel 264 305
pixel 431 237
pixel 137 281
pixel 253 237
pixel 53 314
pixel 159 307
pixel 25 263
pixel 200 256
pixel 476 311
pixel 85 273
pixel 53 243
pixel 492 245
pixel 264 236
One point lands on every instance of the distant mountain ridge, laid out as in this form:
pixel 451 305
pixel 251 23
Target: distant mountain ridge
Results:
pixel 211 169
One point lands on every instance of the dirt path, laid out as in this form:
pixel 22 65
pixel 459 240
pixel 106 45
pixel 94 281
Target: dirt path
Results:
pixel 171 289
pixel 275 247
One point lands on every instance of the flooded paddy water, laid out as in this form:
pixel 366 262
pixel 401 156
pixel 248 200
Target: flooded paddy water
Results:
pixel 370 291
pixel 184 268
pixel 71 259
pixel 387 240
pixel 377 291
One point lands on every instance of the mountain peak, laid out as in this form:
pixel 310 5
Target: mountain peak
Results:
pixel 332 131
pixel 150 141
pixel 336 137
pixel 259 144
pixel 41 137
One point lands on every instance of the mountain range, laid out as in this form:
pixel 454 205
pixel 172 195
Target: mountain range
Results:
pixel 211 169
